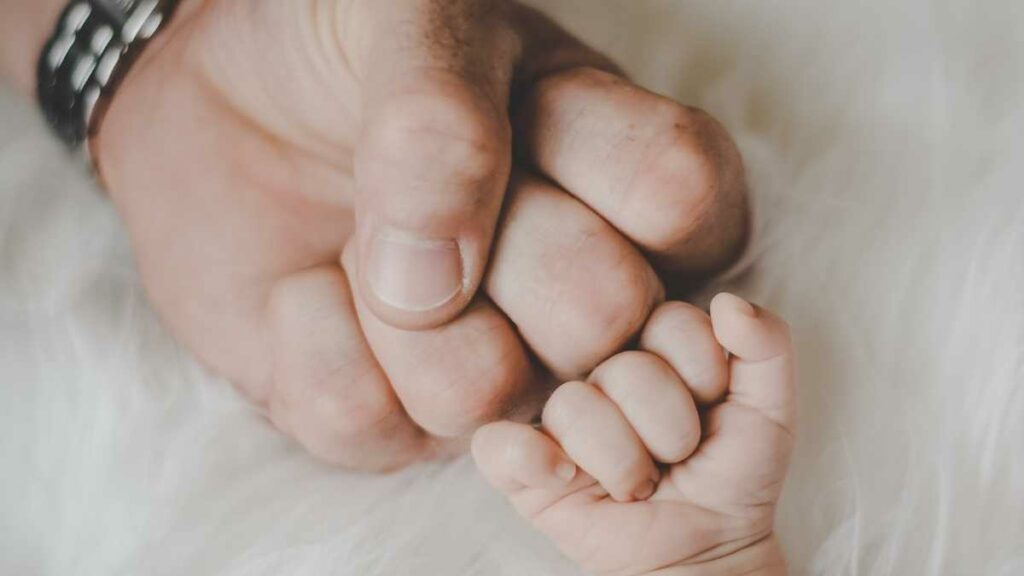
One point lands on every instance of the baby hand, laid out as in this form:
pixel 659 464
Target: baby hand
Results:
pixel 669 460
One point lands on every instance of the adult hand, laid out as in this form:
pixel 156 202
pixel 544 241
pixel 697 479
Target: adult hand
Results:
pixel 255 142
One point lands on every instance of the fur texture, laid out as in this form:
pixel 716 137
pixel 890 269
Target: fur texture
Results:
pixel 885 141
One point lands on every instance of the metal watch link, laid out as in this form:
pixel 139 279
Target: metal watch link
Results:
pixel 90 51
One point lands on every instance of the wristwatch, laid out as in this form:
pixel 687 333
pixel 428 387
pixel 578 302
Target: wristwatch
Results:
pixel 93 46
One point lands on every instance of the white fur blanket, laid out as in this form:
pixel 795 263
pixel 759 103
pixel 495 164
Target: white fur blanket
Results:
pixel 886 143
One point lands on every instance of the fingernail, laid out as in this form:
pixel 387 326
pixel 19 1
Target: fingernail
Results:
pixel 742 306
pixel 645 491
pixel 566 470
pixel 412 273
pixel 746 308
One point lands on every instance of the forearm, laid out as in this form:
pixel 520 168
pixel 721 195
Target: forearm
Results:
pixel 24 28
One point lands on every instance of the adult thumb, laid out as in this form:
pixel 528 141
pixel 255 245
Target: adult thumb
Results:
pixel 431 167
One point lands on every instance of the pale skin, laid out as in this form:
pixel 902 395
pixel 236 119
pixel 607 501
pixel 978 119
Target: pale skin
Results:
pixel 628 477
pixel 391 222
pixel 256 141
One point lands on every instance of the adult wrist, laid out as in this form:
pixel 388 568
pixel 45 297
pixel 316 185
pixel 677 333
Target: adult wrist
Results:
pixel 94 45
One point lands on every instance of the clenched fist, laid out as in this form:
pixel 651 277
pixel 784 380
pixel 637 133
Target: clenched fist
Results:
pixel 508 205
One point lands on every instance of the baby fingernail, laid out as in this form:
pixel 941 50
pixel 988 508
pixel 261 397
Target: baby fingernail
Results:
pixel 645 491
pixel 742 306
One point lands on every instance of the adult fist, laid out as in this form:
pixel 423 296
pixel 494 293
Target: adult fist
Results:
pixel 254 142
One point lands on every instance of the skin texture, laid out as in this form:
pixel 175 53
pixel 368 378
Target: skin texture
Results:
pixel 255 143
pixel 391 222
pixel 628 477
pixel 23 32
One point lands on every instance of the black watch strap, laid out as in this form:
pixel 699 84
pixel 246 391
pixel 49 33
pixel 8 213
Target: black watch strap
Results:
pixel 89 53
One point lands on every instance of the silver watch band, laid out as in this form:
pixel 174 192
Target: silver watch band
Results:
pixel 89 53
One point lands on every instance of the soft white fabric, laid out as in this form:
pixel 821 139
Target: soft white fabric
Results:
pixel 886 144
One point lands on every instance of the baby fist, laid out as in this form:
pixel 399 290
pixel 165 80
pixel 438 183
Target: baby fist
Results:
pixel 668 460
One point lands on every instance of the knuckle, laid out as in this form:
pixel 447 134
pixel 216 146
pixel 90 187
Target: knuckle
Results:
pixel 618 369
pixel 688 441
pixel 573 79
pixel 561 411
pixel 678 449
pixel 683 441
pixel 337 392
pixel 338 416
pixel 333 402
pixel 455 403
pixel 629 362
pixel 677 320
pixel 608 311
pixel 674 320
pixel 627 472
pixel 450 415
pixel 445 128
pixel 707 380
pixel 679 181
pixel 456 415
pixel 681 313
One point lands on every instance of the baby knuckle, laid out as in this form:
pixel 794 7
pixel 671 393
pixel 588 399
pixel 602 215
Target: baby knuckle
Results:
pixel 626 474
pixel 682 444
pixel 630 470
pixel 558 408
pixel 681 315
pixel 565 405
pixel 624 364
